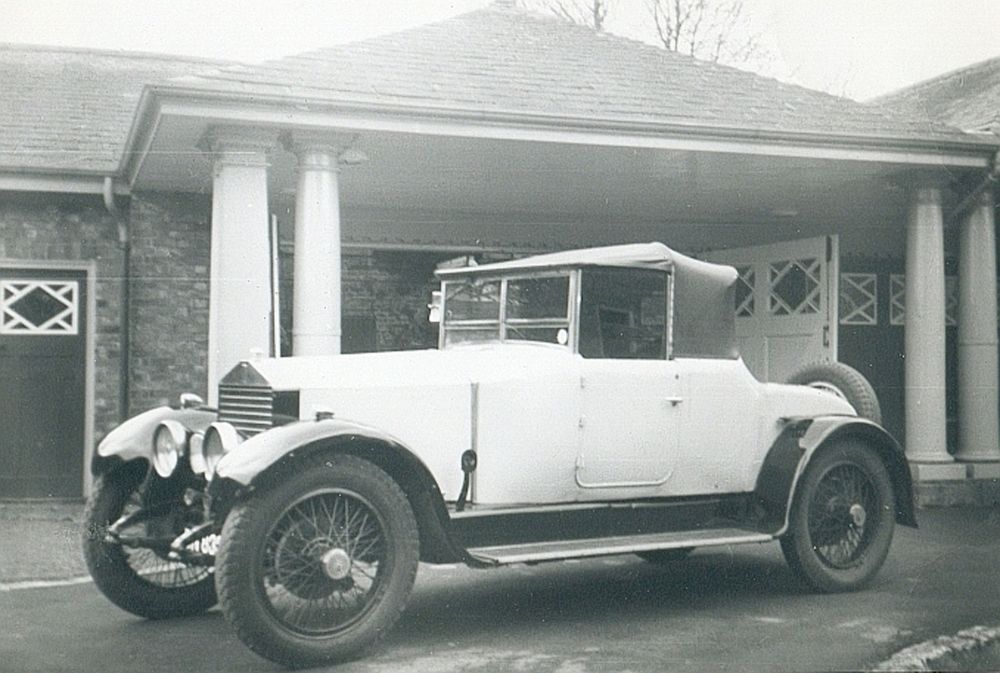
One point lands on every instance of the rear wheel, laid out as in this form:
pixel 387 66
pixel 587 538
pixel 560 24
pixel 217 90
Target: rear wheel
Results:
pixel 842 520
pixel 316 569
pixel 140 580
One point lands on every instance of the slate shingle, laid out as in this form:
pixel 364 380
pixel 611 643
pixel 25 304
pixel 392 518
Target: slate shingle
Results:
pixel 968 98
pixel 499 59
pixel 69 110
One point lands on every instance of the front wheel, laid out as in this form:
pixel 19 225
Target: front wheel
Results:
pixel 139 579
pixel 317 568
pixel 842 519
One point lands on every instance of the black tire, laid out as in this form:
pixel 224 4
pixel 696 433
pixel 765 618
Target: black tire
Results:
pixel 138 580
pixel 303 580
pixel 845 382
pixel 842 519
pixel 665 557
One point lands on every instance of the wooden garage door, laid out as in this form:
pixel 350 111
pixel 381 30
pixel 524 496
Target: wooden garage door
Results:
pixel 786 304
pixel 42 382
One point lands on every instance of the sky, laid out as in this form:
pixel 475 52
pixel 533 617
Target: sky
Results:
pixel 858 48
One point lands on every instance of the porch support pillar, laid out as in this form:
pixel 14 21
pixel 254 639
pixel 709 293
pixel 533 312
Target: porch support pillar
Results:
pixel 926 438
pixel 316 299
pixel 239 277
pixel 979 425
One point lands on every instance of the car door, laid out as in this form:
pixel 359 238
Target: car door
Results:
pixel 629 392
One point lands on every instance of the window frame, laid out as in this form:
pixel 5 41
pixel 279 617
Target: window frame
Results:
pixel 502 322
pixel 668 313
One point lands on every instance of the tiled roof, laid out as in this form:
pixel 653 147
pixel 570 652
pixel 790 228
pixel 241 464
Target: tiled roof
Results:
pixel 70 110
pixel 502 60
pixel 968 98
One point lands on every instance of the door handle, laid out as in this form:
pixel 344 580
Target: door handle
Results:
pixel 674 401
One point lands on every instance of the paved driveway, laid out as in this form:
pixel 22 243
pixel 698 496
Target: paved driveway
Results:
pixel 729 609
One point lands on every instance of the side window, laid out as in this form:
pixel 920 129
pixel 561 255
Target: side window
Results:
pixel 623 314
pixel 538 309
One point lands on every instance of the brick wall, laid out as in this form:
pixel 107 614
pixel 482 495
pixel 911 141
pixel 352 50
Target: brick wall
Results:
pixel 393 288
pixel 385 292
pixel 59 228
pixel 169 302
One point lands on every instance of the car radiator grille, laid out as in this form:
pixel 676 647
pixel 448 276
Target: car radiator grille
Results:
pixel 250 409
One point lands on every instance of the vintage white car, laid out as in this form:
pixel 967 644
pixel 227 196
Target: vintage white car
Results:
pixel 580 404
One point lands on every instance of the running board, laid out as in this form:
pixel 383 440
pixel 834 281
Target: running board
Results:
pixel 606 546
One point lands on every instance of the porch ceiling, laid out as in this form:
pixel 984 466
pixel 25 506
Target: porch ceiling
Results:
pixel 526 182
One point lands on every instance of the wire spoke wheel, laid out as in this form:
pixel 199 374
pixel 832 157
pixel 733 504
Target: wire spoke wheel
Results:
pixel 147 563
pixel 322 562
pixel 140 579
pixel 839 525
pixel 317 568
pixel 841 522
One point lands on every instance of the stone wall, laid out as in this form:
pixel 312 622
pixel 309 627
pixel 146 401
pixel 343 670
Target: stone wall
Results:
pixel 393 288
pixel 62 228
pixel 169 297
pixel 385 297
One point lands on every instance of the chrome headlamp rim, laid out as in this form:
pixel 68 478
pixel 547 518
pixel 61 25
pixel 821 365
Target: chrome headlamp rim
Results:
pixel 169 443
pixel 220 438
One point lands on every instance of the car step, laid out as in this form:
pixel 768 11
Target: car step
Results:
pixel 606 546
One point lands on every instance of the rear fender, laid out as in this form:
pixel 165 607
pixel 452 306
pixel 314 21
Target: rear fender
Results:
pixel 133 439
pixel 796 446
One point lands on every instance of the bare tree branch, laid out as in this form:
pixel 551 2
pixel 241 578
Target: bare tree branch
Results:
pixel 586 12
pixel 713 30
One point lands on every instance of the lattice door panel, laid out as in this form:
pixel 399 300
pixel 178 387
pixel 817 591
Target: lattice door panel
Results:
pixel 858 294
pixel 795 287
pixel 39 307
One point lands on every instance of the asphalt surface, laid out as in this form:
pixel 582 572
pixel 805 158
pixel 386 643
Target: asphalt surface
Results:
pixel 724 609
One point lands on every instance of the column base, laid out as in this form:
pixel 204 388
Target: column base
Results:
pixel 937 471
pixel 990 470
pixel 969 492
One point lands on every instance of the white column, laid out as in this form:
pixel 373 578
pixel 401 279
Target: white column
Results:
pixel 979 429
pixel 316 299
pixel 239 276
pixel 926 439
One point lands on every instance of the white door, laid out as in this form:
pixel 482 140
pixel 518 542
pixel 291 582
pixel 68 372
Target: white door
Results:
pixel 786 304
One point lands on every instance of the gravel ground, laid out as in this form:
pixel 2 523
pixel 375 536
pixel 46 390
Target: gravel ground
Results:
pixel 41 541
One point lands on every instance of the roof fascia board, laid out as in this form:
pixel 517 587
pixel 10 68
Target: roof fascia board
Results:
pixel 140 135
pixel 11 181
pixel 572 131
pixel 160 101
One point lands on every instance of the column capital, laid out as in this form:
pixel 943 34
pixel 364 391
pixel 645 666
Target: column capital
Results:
pixel 326 142
pixel 239 145
pixel 926 194
pixel 984 198
pixel 924 184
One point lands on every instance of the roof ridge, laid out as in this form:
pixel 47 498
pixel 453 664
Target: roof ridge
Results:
pixel 937 80
pixel 124 53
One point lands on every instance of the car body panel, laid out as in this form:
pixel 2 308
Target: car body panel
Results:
pixel 590 429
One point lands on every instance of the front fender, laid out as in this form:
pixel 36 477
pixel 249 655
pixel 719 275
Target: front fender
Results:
pixel 795 447
pixel 134 438
pixel 257 454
